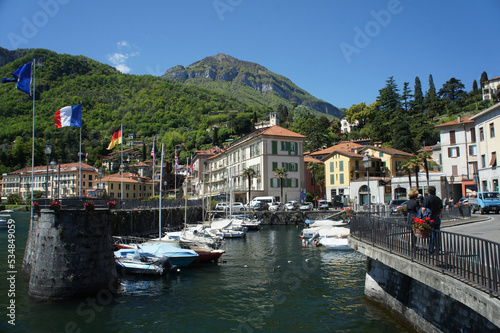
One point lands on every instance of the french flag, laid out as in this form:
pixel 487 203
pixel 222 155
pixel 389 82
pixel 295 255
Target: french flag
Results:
pixel 69 116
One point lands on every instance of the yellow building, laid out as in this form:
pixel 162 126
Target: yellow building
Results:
pixel 127 186
pixel 391 160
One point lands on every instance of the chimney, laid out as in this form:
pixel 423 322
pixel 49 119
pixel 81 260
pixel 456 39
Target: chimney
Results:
pixel 459 119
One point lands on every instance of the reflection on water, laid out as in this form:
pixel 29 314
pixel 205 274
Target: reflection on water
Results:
pixel 266 282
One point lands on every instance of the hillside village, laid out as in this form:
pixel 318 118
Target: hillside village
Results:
pixel 352 172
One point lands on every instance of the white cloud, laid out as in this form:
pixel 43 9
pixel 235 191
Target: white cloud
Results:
pixel 119 59
pixel 123 68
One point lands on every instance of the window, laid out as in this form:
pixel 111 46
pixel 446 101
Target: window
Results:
pixel 292 148
pixel 275 147
pixel 472 135
pixel 341 178
pixel 275 166
pixel 493 161
pixel 341 166
pixel 453 152
pixel 380 154
pixel 452 138
pixel 331 167
pixel 472 150
pixel 332 179
pixel 481 134
pixel 454 170
pixel 492 130
pixel 483 161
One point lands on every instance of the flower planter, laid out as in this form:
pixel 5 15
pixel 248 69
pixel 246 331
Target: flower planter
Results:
pixel 421 233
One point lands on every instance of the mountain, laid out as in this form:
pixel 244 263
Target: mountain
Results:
pixel 248 82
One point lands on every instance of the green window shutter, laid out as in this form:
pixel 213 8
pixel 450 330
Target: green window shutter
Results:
pixel 271 183
pixel 288 183
pixel 275 147
pixel 341 178
pixel 341 166
pixel 275 166
pixel 288 148
pixel 332 179
pixel 331 166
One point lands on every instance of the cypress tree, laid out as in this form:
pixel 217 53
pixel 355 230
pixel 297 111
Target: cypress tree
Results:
pixel 406 96
pixel 418 96
pixel 475 89
pixel 484 77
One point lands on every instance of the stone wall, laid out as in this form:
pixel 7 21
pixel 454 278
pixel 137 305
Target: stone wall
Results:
pixel 69 253
pixel 429 300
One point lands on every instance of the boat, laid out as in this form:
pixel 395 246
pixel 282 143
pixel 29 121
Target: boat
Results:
pixel 178 256
pixel 324 222
pixel 325 231
pixel 227 228
pixel 132 261
pixel 334 243
pixel 7 211
pixel 4 220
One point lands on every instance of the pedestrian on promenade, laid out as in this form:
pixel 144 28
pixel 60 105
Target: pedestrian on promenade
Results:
pixel 412 206
pixel 435 204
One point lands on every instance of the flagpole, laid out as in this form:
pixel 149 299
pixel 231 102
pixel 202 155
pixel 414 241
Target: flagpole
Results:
pixel 121 165
pixel 161 190
pixel 33 146
pixel 80 191
pixel 175 173
pixel 154 164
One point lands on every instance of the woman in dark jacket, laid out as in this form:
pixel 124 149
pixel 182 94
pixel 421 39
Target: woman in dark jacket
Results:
pixel 412 206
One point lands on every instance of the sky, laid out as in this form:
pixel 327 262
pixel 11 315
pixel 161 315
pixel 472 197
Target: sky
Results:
pixel 342 52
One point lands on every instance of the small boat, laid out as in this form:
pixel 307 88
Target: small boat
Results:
pixel 131 261
pixel 325 222
pixel 334 243
pixel 226 229
pixel 325 231
pixel 179 257
pixel 4 220
pixel 7 211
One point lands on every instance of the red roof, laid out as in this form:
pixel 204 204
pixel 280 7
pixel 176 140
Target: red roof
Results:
pixel 280 131
pixel 344 146
pixel 464 120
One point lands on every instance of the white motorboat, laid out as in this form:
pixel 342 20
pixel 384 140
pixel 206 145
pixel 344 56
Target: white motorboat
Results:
pixel 334 243
pixel 325 222
pixel 4 220
pixel 133 261
pixel 325 231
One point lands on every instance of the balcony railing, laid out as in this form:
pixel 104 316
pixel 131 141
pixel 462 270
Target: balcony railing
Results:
pixel 469 258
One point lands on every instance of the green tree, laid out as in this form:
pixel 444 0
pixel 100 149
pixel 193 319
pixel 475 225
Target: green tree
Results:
pixel 318 174
pixel 475 89
pixel 387 109
pixel 282 175
pixel 406 97
pixel 418 97
pixel 483 79
pixel 432 103
pixel 249 173
pixel 452 90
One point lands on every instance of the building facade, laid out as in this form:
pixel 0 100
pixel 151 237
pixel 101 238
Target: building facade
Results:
pixel 59 181
pixel 487 122
pixel 265 150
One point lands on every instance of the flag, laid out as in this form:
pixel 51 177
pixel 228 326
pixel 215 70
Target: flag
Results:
pixel 23 78
pixel 191 167
pixel 153 154
pixel 176 161
pixel 69 116
pixel 116 139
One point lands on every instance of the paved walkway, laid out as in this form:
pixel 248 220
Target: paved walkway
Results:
pixel 454 222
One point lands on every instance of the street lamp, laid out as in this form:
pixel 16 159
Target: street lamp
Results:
pixel 452 179
pixel 367 162
pixel 53 166
pixel 99 185
pixel 48 152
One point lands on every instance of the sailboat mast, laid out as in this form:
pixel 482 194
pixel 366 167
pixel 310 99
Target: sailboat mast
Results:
pixel 161 191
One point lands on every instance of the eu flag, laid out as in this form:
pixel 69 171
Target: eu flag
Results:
pixel 23 78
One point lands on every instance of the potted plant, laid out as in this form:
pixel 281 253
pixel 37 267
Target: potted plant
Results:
pixel 36 205
pixel 111 204
pixel 89 206
pixel 422 227
pixel 349 211
pixel 55 205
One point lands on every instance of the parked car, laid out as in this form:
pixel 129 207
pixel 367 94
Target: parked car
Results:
pixel 238 206
pixel 274 206
pixel 260 206
pixel 291 205
pixel 463 201
pixel 323 204
pixel 221 206
pixel 306 206
pixel 395 204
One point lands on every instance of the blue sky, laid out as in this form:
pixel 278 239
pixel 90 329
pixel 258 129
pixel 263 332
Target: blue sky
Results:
pixel 340 51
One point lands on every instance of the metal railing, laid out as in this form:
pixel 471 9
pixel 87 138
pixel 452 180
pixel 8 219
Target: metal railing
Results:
pixel 78 203
pixel 468 258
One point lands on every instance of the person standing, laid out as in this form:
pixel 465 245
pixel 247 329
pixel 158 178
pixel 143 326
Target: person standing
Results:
pixel 412 206
pixel 435 204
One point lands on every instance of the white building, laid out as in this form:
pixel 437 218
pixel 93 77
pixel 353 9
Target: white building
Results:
pixel 489 144
pixel 491 88
pixel 264 150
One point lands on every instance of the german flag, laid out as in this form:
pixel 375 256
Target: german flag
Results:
pixel 116 139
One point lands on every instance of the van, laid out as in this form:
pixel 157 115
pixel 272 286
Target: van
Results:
pixel 487 202
pixel 268 200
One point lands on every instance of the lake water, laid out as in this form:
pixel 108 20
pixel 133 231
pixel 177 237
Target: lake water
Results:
pixel 266 283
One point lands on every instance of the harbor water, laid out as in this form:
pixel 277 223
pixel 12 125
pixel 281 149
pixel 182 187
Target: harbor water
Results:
pixel 264 283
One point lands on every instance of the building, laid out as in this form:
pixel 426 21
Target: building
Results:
pixel 459 155
pixel 200 175
pixel 60 181
pixel 491 88
pixel 114 160
pixel 310 184
pixel 343 145
pixel 489 144
pixel 263 150
pixel 127 185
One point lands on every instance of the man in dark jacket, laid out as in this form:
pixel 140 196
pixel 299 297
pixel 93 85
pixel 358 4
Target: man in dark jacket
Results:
pixel 435 204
